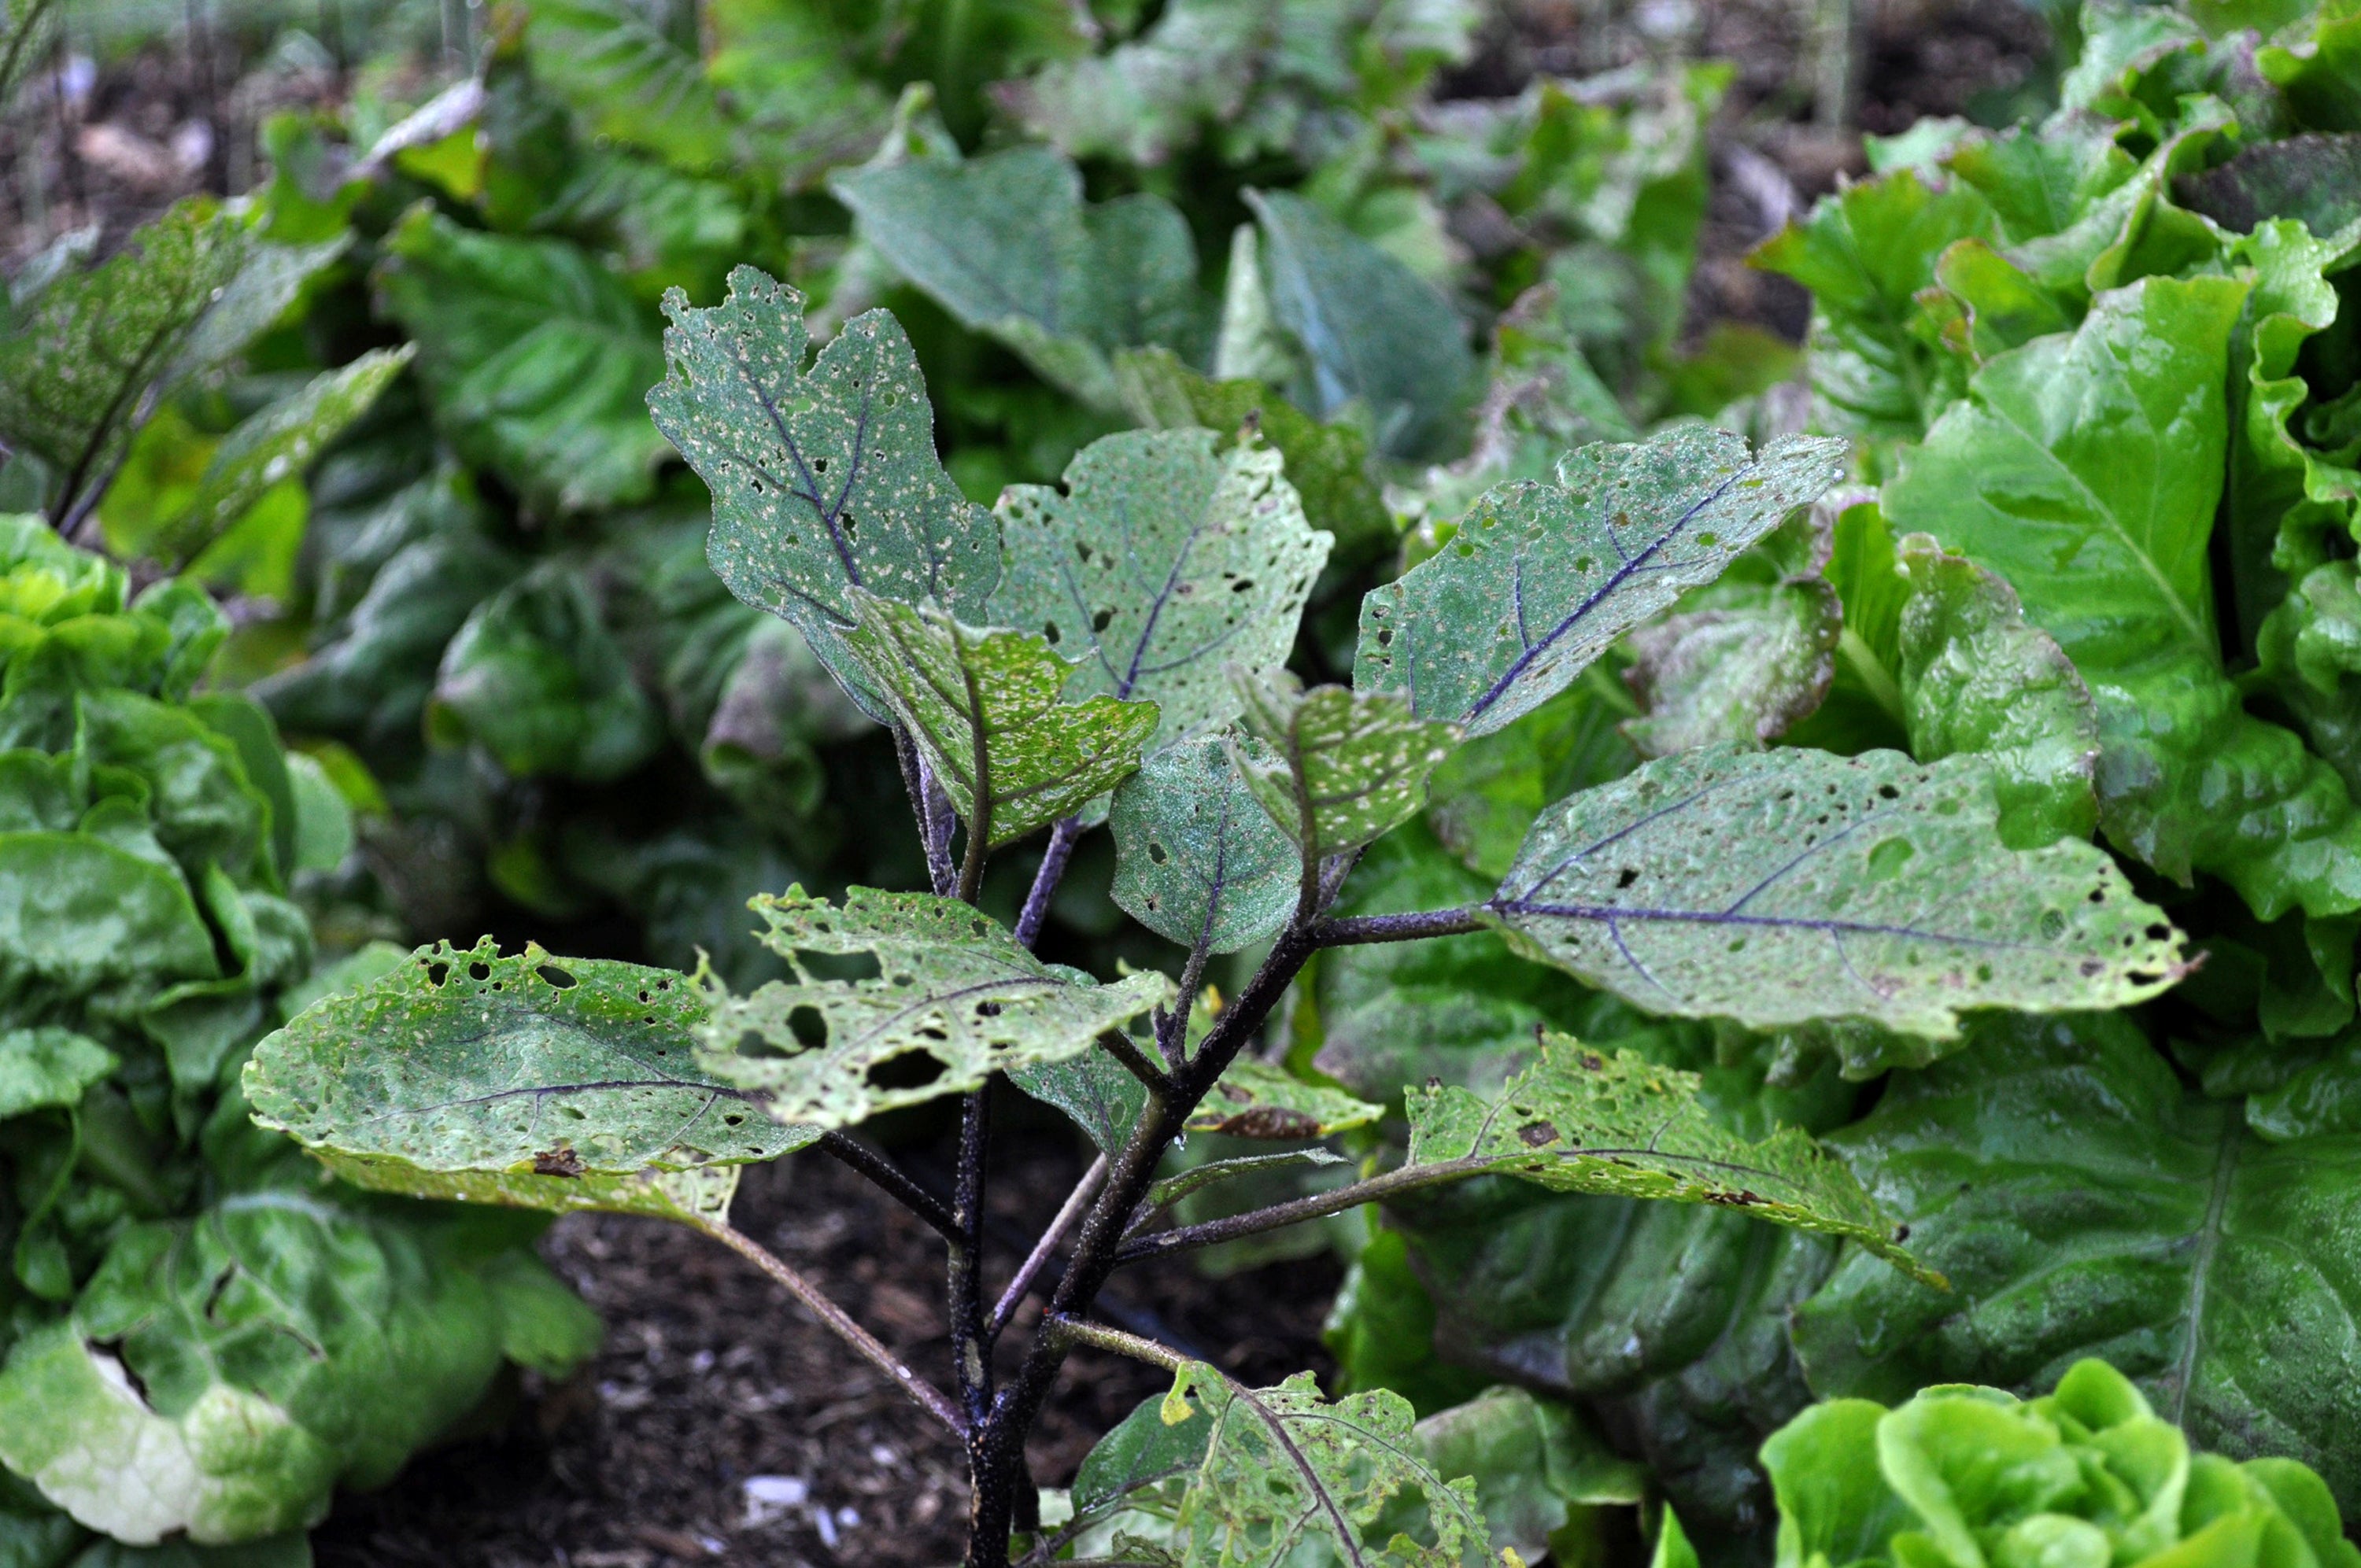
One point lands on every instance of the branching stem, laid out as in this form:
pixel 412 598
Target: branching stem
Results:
pixel 1045 880
pixel 1098 1336
pixel 1047 1247
pixel 930 1398
pixel 1376 1189
pixel 890 1176
pixel 1355 930
pixel 971 1346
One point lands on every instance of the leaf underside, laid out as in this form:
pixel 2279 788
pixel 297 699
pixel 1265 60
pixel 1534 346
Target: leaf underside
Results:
pixel 1777 888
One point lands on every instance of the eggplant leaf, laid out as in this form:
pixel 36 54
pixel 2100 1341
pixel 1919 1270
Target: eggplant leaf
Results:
pixel 953 992
pixel 1164 559
pixel 1197 859
pixel 1782 887
pixel 1539 579
pixel 1335 768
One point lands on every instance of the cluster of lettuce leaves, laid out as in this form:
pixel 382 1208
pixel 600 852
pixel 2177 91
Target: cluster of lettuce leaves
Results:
pixel 200 1337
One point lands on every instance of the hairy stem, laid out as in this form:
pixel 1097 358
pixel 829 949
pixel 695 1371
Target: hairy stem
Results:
pixel 930 1398
pixel 1376 1189
pixel 932 808
pixel 1046 879
pixel 1356 929
pixel 1098 1336
pixel 890 1176
pixel 970 1346
pixel 1047 1247
pixel 1118 1046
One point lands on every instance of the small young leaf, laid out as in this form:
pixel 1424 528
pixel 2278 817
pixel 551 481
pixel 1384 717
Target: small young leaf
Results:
pixel 1248 1477
pixel 552 1083
pixel 1005 244
pixel 1539 579
pixel 984 707
pixel 1780 887
pixel 48 1066
pixel 955 1000
pixel 1741 674
pixel 1977 676
pixel 1584 1121
pixel 1254 1100
pixel 1165 558
pixel 1197 859
pixel 823 480
pixel 1335 768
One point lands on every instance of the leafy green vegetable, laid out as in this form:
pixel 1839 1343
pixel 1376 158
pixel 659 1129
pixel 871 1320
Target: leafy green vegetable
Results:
pixel 1743 674
pixel 984 707
pixel 1197 859
pixel 1166 559
pixel 537 359
pixel 534 676
pixel 1007 244
pixel 824 480
pixel 1794 885
pixel 953 991
pixel 1541 578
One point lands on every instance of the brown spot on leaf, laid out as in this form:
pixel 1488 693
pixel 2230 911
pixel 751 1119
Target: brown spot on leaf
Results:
pixel 1269 1121
pixel 1535 1134
pixel 559 1161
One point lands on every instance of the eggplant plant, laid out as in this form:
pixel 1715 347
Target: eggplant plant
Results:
pixel 1114 651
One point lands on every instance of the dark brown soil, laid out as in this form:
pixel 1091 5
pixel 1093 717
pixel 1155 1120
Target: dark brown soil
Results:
pixel 710 1376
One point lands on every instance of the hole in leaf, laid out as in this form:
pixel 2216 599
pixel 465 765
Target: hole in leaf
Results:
pixel 437 973
pixel 1886 860
pixel 912 1069
pixel 810 1028
pixel 556 976
pixel 479 971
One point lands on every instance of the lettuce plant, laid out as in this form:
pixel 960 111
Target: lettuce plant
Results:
pixel 1116 651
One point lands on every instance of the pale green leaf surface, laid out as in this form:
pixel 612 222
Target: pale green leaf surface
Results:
pixel 953 990
pixel 72 371
pixel 1197 859
pixel 48 1067
pixel 535 358
pixel 824 480
pixel 1483 800
pixel 984 707
pixel 1005 243
pixel 2085 1203
pixel 1249 1477
pixel 627 80
pixel 1370 330
pixel 1539 579
pixel 1335 768
pixel 2087 470
pixel 468 1074
pixel 1166 557
pixel 1740 673
pixel 1781 887
pixel 1579 1120
pixel 1976 676
pixel 1254 1099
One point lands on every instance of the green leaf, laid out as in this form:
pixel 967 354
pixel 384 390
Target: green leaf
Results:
pixel 984 707
pixel 1249 1477
pixel 536 359
pixel 1197 860
pixel 1782 887
pixel 2084 1203
pixel 1254 1100
pixel 2087 470
pixel 1164 558
pixel 81 913
pixel 1539 579
pixel 1370 330
pixel 1007 244
pixel 953 992
pixel 555 1083
pixel 1538 1465
pixel 1741 672
pixel 1582 1121
pixel 627 80
pixel 1833 1504
pixel 73 370
pixel 49 1066
pixel 1328 463
pixel 1976 676
pixel 1335 768
pixel 2311 179
pixel 1483 800
pixel 535 678
pixel 1865 253
pixel 824 480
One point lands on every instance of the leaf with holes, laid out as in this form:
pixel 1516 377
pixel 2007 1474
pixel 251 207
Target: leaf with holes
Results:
pixel 524 1079
pixel 824 480
pixel 1254 1099
pixel 1539 579
pixel 1585 1120
pixel 72 372
pixel 1780 887
pixel 1166 557
pixel 1739 672
pixel 1248 1477
pixel 955 1000
pixel 984 707
pixel 1335 768
pixel 1197 859
pixel 1005 244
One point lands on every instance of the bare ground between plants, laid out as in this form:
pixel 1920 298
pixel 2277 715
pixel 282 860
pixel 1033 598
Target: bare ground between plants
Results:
pixel 710 1377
